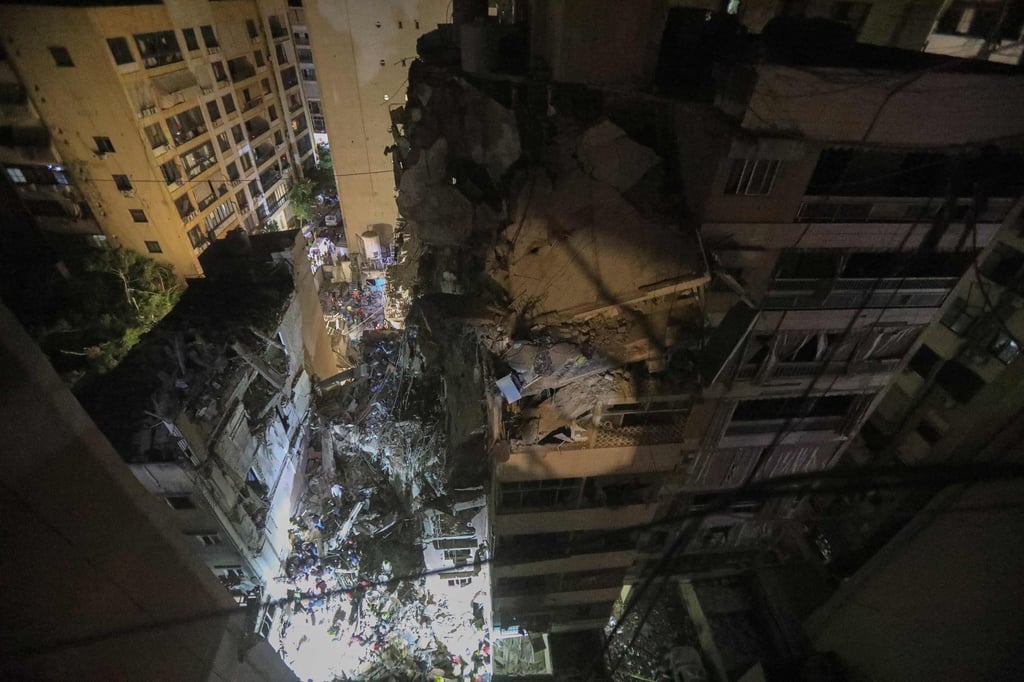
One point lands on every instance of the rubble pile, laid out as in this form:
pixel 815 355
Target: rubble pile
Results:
pixel 666 627
pixel 358 605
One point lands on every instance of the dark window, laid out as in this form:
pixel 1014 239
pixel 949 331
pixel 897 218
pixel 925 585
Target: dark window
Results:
pixel 807 265
pixel 209 37
pixel 103 145
pixel 278 137
pixel 190 38
pixel 246 161
pixel 219 73
pixel 119 49
pixel 309 74
pixel 957 319
pixel 924 361
pixel 928 431
pixel 196 237
pixel 223 143
pixel 752 176
pixel 848 172
pixel 158 49
pixel 853 14
pixel 793 408
pixel 232 169
pixel 251 27
pixel 61 56
pixel 153 247
pixel 237 134
pixel 272 112
pixel 229 104
pixel 241 200
pixel 258 57
pixel 958 381
pixel 1004 265
pixel 282 56
pixel 122 182
pixel 138 215
pixel 180 502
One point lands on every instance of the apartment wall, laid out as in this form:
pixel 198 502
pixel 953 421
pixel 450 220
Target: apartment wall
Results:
pixel 66 100
pixel 103 558
pixel 350 39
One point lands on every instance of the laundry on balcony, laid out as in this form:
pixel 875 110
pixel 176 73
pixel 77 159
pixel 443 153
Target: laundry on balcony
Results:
pixel 174 88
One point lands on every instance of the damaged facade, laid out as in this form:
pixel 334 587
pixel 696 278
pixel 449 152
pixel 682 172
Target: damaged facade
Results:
pixel 683 295
pixel 209 410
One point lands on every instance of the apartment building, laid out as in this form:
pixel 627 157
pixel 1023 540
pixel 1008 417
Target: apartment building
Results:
pixel 986 29
pixel 361 55
pixel 834 194
pixel 218 434
pixel 177 121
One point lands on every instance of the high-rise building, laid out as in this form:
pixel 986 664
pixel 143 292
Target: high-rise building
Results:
pixel 839 197
pixel 361 53
pixel 176 121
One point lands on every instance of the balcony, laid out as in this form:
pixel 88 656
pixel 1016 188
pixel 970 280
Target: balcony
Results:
pixel 207 201
pixel 289 78
pixel 250 104
pixel 886 292
pixel 816 209
pixel 256 127
pixel 241 69
pixel 268 179
pixel 263 153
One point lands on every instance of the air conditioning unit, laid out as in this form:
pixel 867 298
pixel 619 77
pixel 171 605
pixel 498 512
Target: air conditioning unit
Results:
pixel 148 111
pixel 205 90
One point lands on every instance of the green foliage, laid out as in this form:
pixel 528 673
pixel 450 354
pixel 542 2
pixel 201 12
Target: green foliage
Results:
pixel 323 152
pixel 302 197
pixel 114 296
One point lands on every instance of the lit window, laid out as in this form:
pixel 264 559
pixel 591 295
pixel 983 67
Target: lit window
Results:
pixel 1005 348
pixel 61 56
pixel 752 177
pixel 16 175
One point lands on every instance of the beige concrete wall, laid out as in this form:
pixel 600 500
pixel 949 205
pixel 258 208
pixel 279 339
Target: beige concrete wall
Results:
pixel 348 47
pixel 541 463
pixel 67 100
pixel 572 519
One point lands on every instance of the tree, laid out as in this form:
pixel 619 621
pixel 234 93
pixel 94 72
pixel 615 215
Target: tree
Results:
pixel 323 152
pixel 302 197
pixel 113 297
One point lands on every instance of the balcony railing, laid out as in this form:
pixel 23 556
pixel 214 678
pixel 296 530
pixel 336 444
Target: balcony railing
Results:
pixel 250 104
pixel 263 153
pixel 256 127
pixel 276 204
pixel 207 202
pixel 896 292
pixel 893 210
pixel 769 426
pixel 269 179
pixel 200 168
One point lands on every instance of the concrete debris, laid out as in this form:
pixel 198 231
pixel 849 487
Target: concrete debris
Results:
pixel 609 155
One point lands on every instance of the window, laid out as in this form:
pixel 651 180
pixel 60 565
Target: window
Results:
pixel 155 135
pixel 158 49
pixel 957 319
pixel 219 73
pixel 246 161
pixel 16 175
pixel 232 171
pixel 555 492
pixel 223 143
pixel 282 56
pixel 229 104
pixel 752 177
pixel 103 145
pixel 61 56
pixel 318 124
pixel 272 112
pixel 853 14
pixel 170 172
pixel 213 110
pixel 154 247
pixel 308 74
pixel 457 555
pixel 123 183
pixel 1005 348
pixel 198 159
pixel 219 215
pixel 1004 265
pixel 138 215
pixel 258 57
pixel 960 382
pixel 234 571
pixel 241 200
pixel 180 502
pixel 237 134
pixel 923 361
pixel 250 26
pixel 207 539
pixel 278 137
pixel 196 237
pixel 190 38
pixel 120 51
pixel 209 37
pixel 305 55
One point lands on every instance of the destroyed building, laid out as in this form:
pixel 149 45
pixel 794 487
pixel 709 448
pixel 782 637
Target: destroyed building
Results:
pixel 688 293
pixel 209 410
